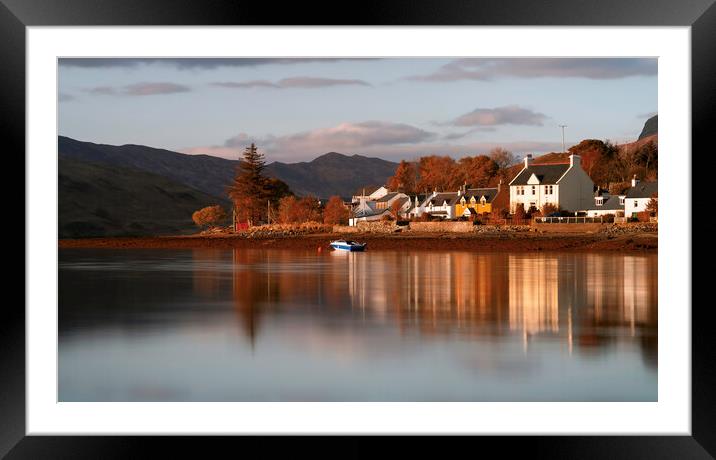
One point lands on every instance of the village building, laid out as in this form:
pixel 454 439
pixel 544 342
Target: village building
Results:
pixel 564 185
pixel 475 201
pixel 605 204
pixel 439 204
pixel 638 196
pixel 370 193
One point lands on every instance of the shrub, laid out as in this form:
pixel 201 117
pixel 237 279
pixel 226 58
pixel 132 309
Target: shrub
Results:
pixel 209 216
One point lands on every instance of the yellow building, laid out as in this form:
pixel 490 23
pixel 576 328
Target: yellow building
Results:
pixel 477 199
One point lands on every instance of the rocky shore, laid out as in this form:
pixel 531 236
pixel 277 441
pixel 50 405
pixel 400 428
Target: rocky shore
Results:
pixel 639 237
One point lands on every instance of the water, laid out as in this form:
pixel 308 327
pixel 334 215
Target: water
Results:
pixel 283 325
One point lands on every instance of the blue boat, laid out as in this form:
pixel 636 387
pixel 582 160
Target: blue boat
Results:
pixel 347 245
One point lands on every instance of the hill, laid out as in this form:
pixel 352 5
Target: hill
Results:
pixel 651 127
pixel 332 174
pixel 103 200
pixel 329 174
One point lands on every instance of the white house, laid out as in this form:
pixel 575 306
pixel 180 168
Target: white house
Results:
pixel 565 185
pixel 370 210
pixel 638 196
pixel 370 194
pixel 439 204
pixel 606 204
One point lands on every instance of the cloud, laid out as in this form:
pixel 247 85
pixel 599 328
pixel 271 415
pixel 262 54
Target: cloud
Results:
pixel 64 97
pixel 245 84
pixel 345 138
pixel 646 115
pixel 592 68
pixel 506 115
pixel 139 89
pixel 187 63
pixel 148 89
pixel 293 82
pixel 391 141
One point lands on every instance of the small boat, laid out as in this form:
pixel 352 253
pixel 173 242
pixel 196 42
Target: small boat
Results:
pixel 347 245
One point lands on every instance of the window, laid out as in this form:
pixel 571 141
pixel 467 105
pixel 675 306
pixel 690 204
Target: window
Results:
pixel 548 190
pixel 534 190
pixel 599 201
pixel 621 200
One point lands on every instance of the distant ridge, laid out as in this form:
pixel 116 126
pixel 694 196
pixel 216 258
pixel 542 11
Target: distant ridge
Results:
pixel 651 127
pixel 330 174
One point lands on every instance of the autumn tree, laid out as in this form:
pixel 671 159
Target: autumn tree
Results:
pixel 251 192
pixel 549 208
pixel 209 216
pixel 335 212
pixel 438 173
pixel 503 158
pixel 653 205
pixel 292 210
pixel 405 178
pixel 395 209
pixel 477 171
pixel 519 212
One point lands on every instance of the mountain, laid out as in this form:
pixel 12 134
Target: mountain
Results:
pixel 208 174
pixel 651 127
pixel 106 200
pixel 329 174
pixel 332 174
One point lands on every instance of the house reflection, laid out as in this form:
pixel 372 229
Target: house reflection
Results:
pixel 585 301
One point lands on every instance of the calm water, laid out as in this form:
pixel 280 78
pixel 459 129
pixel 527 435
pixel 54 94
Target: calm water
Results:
pixel 281 325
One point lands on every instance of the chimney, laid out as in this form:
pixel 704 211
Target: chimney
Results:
pixel 575 160
pixel 634 181
pixel 499 186
pixel 528 160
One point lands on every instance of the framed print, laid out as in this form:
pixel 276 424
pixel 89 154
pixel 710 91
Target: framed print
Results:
pixel 441 219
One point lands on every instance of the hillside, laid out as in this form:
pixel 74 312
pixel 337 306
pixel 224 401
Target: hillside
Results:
pixel 329 174
pixel 102 200
pixel 332 174
pixel 651 127
pixel 208 174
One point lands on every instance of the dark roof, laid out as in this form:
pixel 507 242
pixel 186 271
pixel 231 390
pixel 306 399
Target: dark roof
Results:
pixel 547 173
pixel 440 198
pixel 611 202
pixel 643 190
pixel 488 193
pixel 387 197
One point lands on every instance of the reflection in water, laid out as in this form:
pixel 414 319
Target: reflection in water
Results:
pixel 359 326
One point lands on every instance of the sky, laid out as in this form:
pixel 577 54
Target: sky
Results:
pixel 296 109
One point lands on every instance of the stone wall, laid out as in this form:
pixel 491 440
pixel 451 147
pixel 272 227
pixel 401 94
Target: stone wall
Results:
pixel 442 227
pixel 377 226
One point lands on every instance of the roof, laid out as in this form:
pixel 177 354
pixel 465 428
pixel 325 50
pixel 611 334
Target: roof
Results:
pixel 387 197
pixel 611 202
pixel 440 198
pixel 546 173
pixel 643 190
pixel 488 193
pixel 369 190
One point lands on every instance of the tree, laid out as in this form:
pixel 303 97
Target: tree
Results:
pixel 503 158
pixel 292 210
pixel 478 171
pixel 395 209
pixel 438 173
pixel 335 212
pixel 251 191
pixel 519 212
pixel 653 205
pixel 209 216
pixel 549 208
pixel 405 178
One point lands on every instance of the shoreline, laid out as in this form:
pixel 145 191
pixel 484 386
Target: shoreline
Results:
pixel 508 241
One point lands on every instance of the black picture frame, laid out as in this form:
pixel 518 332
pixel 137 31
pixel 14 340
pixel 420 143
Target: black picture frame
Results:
pixel 700 15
